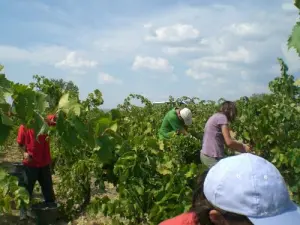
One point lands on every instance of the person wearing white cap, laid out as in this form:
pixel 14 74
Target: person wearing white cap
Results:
pixel 175 122
pixel 241 190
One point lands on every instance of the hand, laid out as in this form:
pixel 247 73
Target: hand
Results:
pixel 247 148
pixel 27 157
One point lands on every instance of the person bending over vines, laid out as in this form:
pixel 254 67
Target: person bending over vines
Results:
pixel 217 134
pixel 241 190
pixel 175 122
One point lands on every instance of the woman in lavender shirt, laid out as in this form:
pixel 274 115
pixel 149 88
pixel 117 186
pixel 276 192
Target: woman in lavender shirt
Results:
pixel 217 134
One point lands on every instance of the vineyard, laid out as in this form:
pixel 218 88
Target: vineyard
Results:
pixel 152 180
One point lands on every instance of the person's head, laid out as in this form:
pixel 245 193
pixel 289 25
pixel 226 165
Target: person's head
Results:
pixel 229 109
pixel 186 115
pixel 246 190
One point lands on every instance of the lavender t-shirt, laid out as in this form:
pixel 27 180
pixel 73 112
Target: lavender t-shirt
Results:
pixel 213 140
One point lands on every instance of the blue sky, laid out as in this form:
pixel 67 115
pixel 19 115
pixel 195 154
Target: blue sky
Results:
pixel 156 48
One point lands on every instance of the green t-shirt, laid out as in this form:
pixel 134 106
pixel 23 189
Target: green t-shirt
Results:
pixel 170 125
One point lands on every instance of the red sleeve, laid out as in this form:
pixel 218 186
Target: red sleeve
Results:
pixel 183 219
pixel 21 135
pixel 51 120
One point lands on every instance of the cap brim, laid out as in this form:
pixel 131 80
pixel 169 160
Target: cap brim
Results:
pixel 188 122
pixel 290 217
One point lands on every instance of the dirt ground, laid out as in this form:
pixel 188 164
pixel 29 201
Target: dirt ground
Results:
pixel 11 155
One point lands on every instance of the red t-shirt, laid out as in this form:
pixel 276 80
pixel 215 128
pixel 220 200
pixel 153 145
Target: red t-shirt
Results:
pixel 183 219
pixel 38 149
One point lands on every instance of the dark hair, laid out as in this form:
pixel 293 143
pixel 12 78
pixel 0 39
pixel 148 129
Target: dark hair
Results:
pixel 204 207
pixel 201 206
pixel 198 190
pixel 229 109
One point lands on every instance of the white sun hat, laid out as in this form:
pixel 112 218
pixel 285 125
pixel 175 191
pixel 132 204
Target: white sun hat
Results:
pixel 186 115
pixel 251 186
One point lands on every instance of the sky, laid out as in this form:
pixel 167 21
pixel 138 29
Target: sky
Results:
pixel 206 49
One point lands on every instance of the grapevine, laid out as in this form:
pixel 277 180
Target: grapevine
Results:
pixel 153 179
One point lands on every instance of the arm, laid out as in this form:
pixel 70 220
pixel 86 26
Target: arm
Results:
pixel 21 143
pixel 182 130
pixel 230 143
pixel 21 138
pixel 179 128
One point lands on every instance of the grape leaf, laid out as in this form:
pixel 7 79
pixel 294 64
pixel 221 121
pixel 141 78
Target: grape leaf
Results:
pixel 297 3
pixel 41 103
pixel 69 105
pixel 5 131
pixel 6 120
pixel 5 88
pixel 294 39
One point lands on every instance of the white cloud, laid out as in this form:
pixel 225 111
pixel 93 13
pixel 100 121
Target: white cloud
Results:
pixel 198 75
pixel 159 64
pixel 240 55
pixel 220 62
pixel 174 33
pixel 58 56
pixel 245 29
pixel 209 63
pixel 47 54
pixel 72 60
pixel 218 69
pixel 251 31
pixel 104 78
pixel 179 50
pixel 289 7
pixel 148 25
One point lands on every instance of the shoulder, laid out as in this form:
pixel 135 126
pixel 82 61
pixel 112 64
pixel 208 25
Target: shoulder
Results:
pixel 183 219
pixel 171 113
pixel 220 117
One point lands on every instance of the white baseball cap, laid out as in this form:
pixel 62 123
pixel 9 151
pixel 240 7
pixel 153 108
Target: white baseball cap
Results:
pixel 251 186
pixel 186 115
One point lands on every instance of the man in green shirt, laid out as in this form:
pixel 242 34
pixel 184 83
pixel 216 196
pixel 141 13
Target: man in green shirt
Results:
pixel 175 122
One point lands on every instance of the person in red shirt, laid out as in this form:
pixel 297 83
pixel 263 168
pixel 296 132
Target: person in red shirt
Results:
pixel 37 160
pixel 190 217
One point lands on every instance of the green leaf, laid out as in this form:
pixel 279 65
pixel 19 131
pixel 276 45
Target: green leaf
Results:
pixel 5 88
pixel 102 125
pixel 69 105
pixel 6 120
pixel 114 127
pixel 5 131
pixel 116 114
pixel 104 149
pixel 5 107
pixel 3 174
pixel 294 39
pixel 192 171
pixel 38 124
pixel 297 3
pixel 165 169
pixel 41 103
